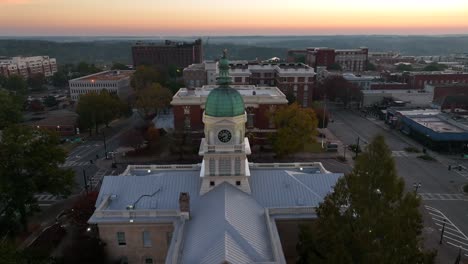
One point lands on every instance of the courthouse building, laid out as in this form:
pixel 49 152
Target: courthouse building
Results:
pixel 223 210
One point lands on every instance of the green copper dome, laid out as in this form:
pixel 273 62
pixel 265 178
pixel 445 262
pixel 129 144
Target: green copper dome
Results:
pixel 224 101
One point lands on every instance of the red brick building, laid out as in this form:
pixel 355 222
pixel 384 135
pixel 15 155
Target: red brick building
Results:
pixel 188 106
pixel 418 80
pixel 354 60
pixel 388 86
pixel 179 54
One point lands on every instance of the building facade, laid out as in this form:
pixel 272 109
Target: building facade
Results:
pixel 294 79
pixel 353 60
pixel 115 82
pixel 27 66
pixel 169 53
pixel 418 80
pixel 219 211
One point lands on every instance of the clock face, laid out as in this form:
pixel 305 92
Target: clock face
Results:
pixel 224 136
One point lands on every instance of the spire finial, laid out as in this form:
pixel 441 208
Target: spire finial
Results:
pixel 225 53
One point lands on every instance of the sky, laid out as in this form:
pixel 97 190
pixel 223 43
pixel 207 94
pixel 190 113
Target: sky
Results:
pixel 231 17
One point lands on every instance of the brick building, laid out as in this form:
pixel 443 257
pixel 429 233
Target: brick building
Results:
pixel 449 96
pixel 169 53
pixel 418 80
pixel 27 66
pixel 354 60
pixel 296 79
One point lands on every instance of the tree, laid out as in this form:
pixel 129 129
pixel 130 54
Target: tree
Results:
pixel 296 126
pixel 119 66
pixel 85 69
pixel 336 87
pixel 59 79
pixel 334 67
pixel 95 109
pixel 153 98
pixel 29 164
pixel 50 101
pixel 15 83
pixel 368 218
pixel 144 76
pixel 322 115
pixel 434 66
pixel 132 138
pixel 37 81
pixel 291 98
pixel 404 67
pixel 3 81
pixel 152 136
pixel 10 110
pixel 370 66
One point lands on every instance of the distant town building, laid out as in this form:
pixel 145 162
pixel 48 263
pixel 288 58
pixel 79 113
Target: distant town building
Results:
pixel 63 122
pixel 444 94
pixel 27 66
pixel 222 210
pixel 362 81
pixel 417 80
pixel 353 60
pixel 168 53
pixel 295 79
pixel 115 82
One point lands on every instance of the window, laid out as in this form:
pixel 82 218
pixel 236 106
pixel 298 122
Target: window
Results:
pixel 224 166
pixel 212 166
pixel 238 79
pixel 238 183
pixel 148 261
pixel 121 239
pixel 212 183
pixel 146 239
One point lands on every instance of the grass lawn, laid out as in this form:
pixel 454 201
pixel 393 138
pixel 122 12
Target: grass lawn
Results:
pixel 315 147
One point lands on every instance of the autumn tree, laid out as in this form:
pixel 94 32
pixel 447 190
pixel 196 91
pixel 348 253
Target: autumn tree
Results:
pixel 153 99
pixel 10 110
pixel 132 138
pixel 152 136
pixel 369 218
pixel 29 164
pixel 336 87
pixel 296 126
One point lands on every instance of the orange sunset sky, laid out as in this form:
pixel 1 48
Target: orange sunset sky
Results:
pixel 233 17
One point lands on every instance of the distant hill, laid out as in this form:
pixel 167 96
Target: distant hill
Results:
pixel 105 50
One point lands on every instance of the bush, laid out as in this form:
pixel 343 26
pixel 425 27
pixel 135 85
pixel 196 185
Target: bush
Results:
pixel 412 150
pixel 426 157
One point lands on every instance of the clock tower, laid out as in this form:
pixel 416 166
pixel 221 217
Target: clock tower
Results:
pixel 225 147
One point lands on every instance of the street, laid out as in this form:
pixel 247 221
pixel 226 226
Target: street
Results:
pixel 440 189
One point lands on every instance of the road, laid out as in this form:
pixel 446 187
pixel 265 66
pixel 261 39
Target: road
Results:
pixel 440 188
pixel 79 159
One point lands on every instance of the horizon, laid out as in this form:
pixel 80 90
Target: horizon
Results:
pixel 177 18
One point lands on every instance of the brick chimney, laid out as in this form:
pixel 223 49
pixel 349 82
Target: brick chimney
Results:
pixel 184 205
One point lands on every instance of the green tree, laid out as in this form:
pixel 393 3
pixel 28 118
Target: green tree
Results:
pixel 153 99
pixel 296 126
pixel 37 81
pixel 95 109
pixel 335 67
pixel 3 81
pixel 370 66
pixel 291 98
pixel 404 67
pixel 59 79
pixel 50 101
pixel 368 218
pixel 10 110
pixel 119 66
pixel 145 76
pixel 84 68
pixel 15 83
pixel 29 164
pixel 435 67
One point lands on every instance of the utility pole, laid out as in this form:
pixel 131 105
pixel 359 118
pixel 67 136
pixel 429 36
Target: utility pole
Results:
pixel 323 114
pixel 442 233
pixel 105 145
pixel 357 147
pixel 85 181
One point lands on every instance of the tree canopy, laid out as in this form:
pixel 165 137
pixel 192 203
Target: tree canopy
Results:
pixel 59 79
pixel 370 66
pixel 119 66
pixel 16 83
pixel 435 67
pixel 336 87
pixel 145 76
pixel 29 164
pixel 404 67
pixel 37 81
pixel 153 98
pixel 368 218
pixel 10 110
pixel 95 109
pixel 296 126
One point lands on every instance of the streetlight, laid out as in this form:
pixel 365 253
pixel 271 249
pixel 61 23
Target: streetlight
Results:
pixel 416 186
pixel 442 233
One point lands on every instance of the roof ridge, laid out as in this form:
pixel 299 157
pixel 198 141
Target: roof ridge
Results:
pixel 304 185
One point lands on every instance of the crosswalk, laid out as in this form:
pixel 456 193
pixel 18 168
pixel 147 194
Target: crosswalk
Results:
pixel 46 199
pixel 452 235
pixel 399 153
pixel 443 196
pixel 96 179
pixel 71 163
